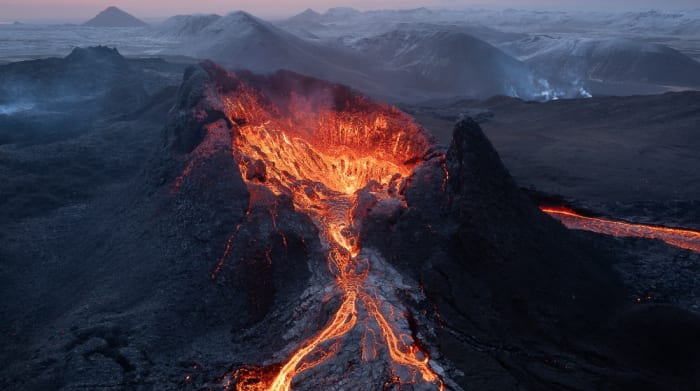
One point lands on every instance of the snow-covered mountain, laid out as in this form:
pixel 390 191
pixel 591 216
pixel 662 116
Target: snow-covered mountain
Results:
pixel 241 41
pixel 501 26
pixel 567 50
pixel 416 61
pixel 615 60
pixel 348 25
pixel 416 53
pixel 183 26
pixel 655 22
pixel 451 62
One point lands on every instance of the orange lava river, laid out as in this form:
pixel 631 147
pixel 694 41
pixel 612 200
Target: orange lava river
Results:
pixel 682 238
pixel 322 156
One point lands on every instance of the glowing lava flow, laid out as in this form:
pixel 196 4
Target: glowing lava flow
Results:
pixel 682 238
pixel 323 157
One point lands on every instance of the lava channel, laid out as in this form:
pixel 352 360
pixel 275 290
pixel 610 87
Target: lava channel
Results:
pixel 323 155
pixel 683 238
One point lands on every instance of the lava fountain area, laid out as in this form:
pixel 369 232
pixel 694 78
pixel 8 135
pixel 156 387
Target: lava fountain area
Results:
pixel 323 152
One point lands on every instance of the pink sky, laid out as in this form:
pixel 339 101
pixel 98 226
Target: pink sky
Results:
pixel 84 9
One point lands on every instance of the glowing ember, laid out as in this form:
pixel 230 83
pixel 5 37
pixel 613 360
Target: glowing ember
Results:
pixel 682 238
pixel 323 154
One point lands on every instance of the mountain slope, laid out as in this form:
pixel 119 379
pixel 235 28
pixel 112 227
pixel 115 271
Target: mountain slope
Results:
pixel 180 26
pixel 451 62
pixel 114 17
pixel 421 63
pixel 617 60
pixel 59 113
pixel 240 40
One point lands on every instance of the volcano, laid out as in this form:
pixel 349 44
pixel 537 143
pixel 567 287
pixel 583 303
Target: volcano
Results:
pixel 331 155
pixel 114 17
pixel 389 260
pixel 287 233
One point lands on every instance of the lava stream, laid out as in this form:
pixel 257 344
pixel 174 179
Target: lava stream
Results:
pixel 683 238
pixel 324 158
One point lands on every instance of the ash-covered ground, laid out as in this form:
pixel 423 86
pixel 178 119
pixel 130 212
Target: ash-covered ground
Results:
pixel 626 158
pixel 108 253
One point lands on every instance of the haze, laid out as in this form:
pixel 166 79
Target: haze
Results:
pixel 83 9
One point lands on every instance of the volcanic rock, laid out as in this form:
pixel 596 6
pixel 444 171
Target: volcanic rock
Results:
pixel 60 117
pixel 84 74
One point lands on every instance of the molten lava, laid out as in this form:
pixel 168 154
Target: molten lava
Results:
pixel 323 151
pixel 682 238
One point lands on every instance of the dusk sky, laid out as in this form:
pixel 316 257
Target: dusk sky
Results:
pixel 83 9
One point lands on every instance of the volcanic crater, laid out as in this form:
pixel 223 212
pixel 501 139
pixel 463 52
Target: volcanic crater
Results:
pixel 354 231
pixel 335 155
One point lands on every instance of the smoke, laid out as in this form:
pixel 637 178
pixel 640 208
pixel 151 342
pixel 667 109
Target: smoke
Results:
pixel 22 91
pixel 563 90
pixel 12 108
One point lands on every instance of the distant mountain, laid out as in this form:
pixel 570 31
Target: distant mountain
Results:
pixel 342 12
pixel 184 26
pixel 114 17
pixel 409 62
pixel 242 41
pixel 616 60
pixel 308 16
pixel 451 62
pixel 308 25
pixel 346 25
pixel 680 23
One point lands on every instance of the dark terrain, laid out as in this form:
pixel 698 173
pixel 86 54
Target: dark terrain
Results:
pixel 84 125
pixel 629 158
pixel 617 153
pixel 105 273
